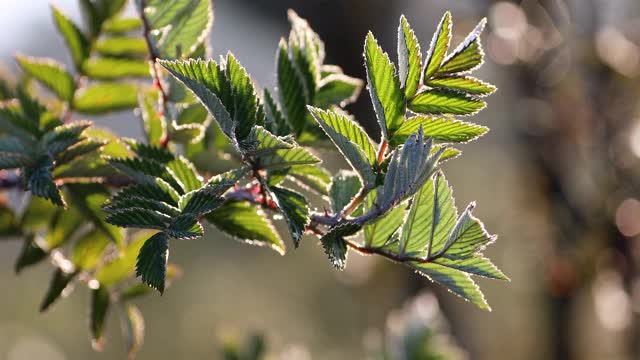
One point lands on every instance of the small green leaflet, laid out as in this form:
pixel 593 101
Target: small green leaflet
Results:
pixel 59 283
pixel 105 97
pixel 75 39
pixel 247 224
pixel 100 302
pixel 431 217
pixel 351 140
pixel 384 87
pixel 133 325
pixel 337 89
pixel 121 25
pixel 445 102
pixel 457 282
pixel 467 56
pixel 119 46
pixel 380 232
pixel 114 68
pixel 466 84
pixel 409 168
pixel 409 59
pixel 151 265
pixel 439 46
pixel 335 246
pixel 439 128
pixel 293 207
pixel 51 74
pixel 344 186
pixel 290 86
pixel 179 26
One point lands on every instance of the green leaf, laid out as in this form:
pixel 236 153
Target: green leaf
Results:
pixel 186 133
pixel 409 168
pixel 305 53
pixel 13 122
pixel 153 152
pixel 114 68
pixel 467 237
pixel 275 121
pixel 457 282
pixel 96 12
pixel 139 289
pixel 58 284
pixel 244 95
pixel 474 265
pixel 118 46
pixel 37 214
pixel 290 89
pixel 467 56
pixel 344 186
pixel 73 37
pixel 158 191
pixel 122 25
pixel 31 254
pixel 133 328
pixel 78 150
pixel 334 245
pixel 431 231
pixel 63 136
pixel 351 140
pixel 293 207
pixel 142 170
pixel 444 129
pixel 105 97
pixel 381 231
pixel 247 224
pixel 64 225
pixel 185 227
pixel 40 182
pixel 439 46
pixel 466 84
pixel 153 123
pixel 287 157
pixel 262 142
pixel 208 83
pixel 125 202
pixel 89 198
pixel 135 217
pixel 384 87
pixel 151 265
pixel 184 171
pixel 205 199
pixel 87 251
pixel 51 74
pixel 445 102
pixel 431 218
pixel 409 59
pixel 180 26
pixel 337 89
pixel 100 301
pixel 14 153
pixel 312 177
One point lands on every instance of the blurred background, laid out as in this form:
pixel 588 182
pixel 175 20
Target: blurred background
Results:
pixel 558 178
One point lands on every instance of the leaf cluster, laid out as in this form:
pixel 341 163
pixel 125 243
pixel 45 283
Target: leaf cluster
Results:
pixel 219 151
